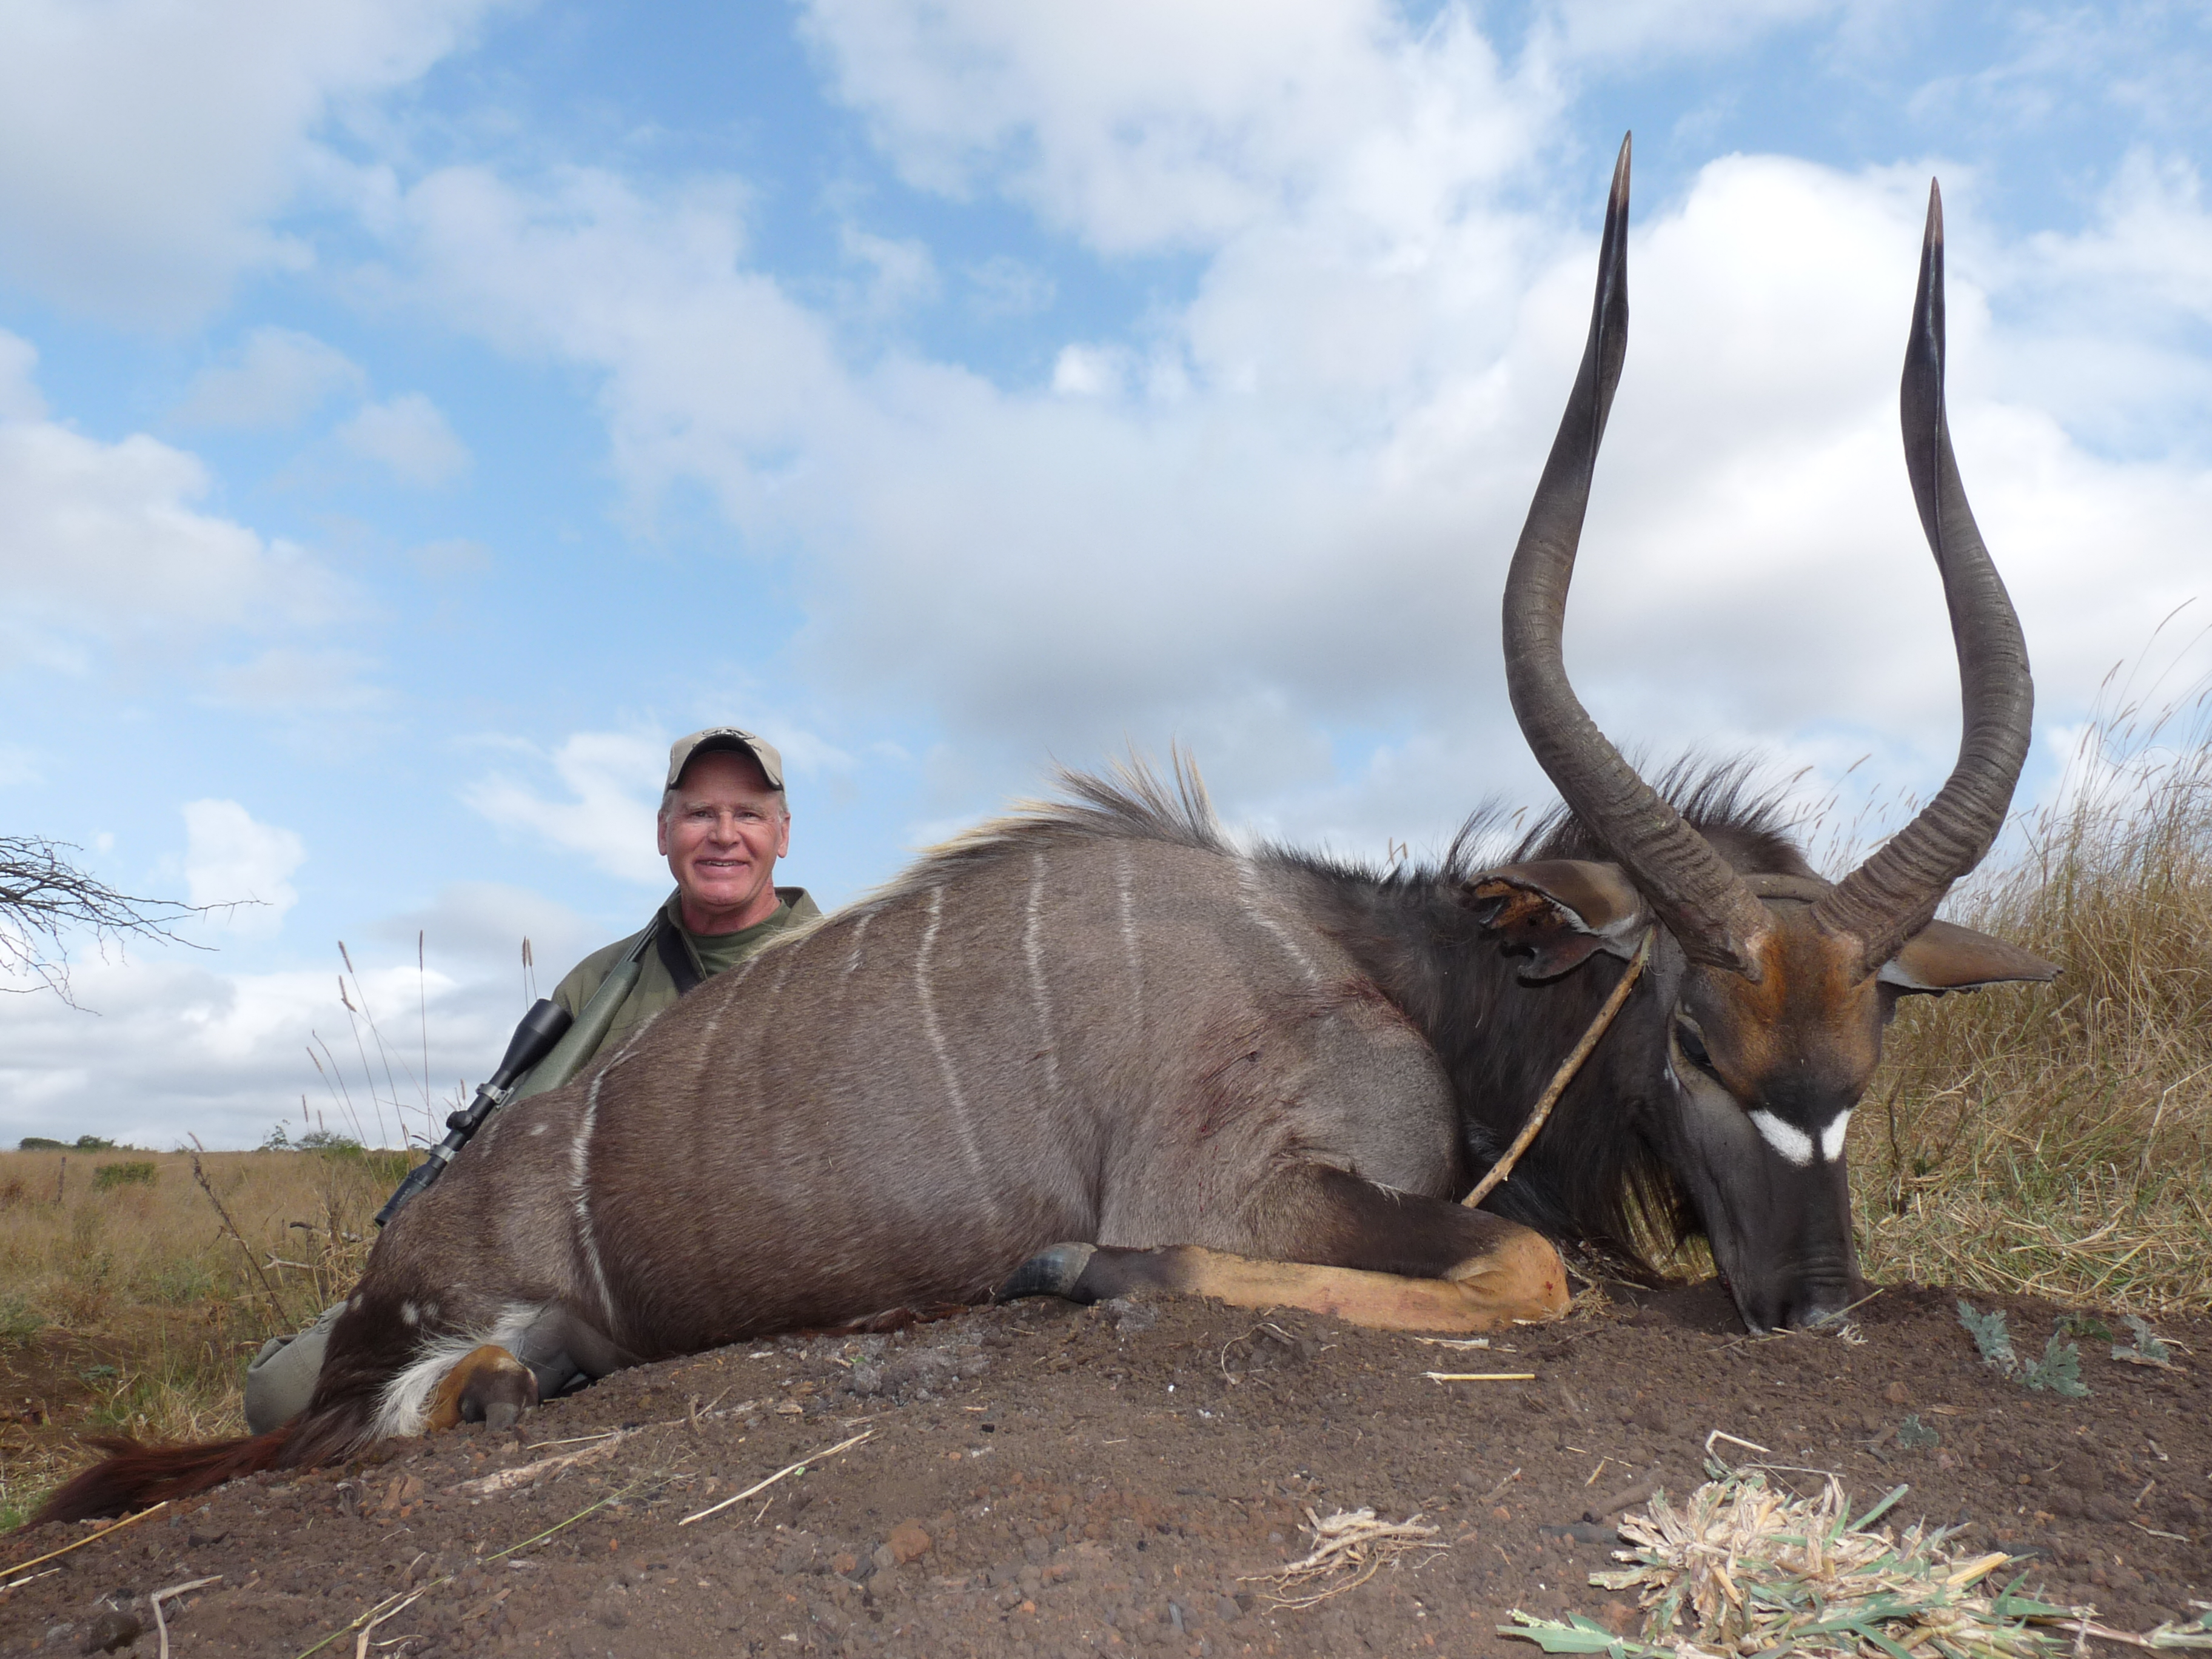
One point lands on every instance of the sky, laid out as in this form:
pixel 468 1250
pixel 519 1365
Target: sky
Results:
pixel 413 414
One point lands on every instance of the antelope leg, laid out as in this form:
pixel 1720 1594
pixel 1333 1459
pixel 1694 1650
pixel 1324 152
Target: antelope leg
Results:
pixel 489 1385
pixel 1388 1261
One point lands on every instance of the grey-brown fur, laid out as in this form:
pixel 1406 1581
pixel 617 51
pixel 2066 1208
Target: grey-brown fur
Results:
pixel 1096 1022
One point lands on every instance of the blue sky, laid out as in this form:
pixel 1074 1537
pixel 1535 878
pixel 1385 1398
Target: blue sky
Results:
pixel 412 416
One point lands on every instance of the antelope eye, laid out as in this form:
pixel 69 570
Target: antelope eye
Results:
pixel 1693 1044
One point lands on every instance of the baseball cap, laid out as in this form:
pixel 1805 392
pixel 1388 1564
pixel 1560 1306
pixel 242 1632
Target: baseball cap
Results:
pixel 724 736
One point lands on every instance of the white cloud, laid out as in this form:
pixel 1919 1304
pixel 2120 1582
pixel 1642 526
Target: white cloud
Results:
pixel 482 924
pixel 1156 125
pixel 232 859
pixel 145 146
pixel 176 1048
pixel 103 538
pixel 277 378
pixel 1007 287
pixel 1273 519
pixel 19 392
pixel 903 273
pixel 409 435
pixel 1082 371
pixel 302 681
pixel 613 781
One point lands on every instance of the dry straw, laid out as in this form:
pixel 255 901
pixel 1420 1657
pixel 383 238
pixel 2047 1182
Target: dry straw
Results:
pixel 1739 1570
pixel 1350 1548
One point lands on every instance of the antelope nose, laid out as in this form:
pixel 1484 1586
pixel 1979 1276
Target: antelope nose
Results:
pixel 1813 1301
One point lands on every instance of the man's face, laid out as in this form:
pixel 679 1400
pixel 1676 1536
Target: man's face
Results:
pixel 722 830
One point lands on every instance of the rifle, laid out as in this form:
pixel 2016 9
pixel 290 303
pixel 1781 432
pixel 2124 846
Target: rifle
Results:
pixel 540 1030
pixel 548 1045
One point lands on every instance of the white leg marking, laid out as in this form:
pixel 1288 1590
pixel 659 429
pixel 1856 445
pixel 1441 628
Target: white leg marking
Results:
pixel 579 1201
pixel 1033 948
pixel 1787 1138
pixel 1832 1137
pixel 407 1397
pixel 1261 908
pixel 953 1094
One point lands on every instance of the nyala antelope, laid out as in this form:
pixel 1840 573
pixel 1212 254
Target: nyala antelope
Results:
pixel 1095 1046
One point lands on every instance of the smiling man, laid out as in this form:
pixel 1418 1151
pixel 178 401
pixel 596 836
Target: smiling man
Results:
pixel 723 824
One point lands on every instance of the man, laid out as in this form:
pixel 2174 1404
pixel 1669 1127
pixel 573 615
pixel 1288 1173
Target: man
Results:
pixel 723 823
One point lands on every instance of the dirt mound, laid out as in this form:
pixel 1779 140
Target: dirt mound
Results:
pixel 1045 1480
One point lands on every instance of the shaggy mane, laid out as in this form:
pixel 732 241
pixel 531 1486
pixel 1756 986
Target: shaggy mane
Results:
pixel 1130 801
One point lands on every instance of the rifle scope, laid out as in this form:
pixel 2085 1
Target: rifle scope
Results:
pixel 540 1028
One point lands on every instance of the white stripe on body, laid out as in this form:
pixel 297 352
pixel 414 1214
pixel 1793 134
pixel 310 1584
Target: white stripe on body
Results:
pixel 923 994
pixel 1125 892
pixel 579 1202
pixel 1039 994
pixel 407 1396
pixel 859 933
pixel 1259 906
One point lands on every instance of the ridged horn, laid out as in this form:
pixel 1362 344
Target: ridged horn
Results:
pixel 1893 894
pixel 1693 890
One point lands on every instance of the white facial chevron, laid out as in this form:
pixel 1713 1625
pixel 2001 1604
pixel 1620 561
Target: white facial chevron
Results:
pixel 1787 1138
pixel 1798 1147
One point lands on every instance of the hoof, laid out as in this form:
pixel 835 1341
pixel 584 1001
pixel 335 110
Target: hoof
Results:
pixel 489 1386
pixel 1052 1271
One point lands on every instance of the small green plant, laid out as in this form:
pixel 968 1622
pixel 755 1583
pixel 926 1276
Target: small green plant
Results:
pixel 108 1177
pixel 2059 1370
pixel 1915 1436
pixel 2149 1348
pixel 1991 1336
pixel 17 1320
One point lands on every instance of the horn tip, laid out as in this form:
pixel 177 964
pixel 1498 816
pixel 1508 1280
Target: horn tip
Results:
pixel 1617 201
pixel 1935 212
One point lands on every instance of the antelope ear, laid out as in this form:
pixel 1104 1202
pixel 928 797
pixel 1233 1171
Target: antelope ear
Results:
pixel 1557 912
pixel 1941 957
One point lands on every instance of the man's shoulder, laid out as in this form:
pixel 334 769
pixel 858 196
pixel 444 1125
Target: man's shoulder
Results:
pixel 576 988
pixel 801 902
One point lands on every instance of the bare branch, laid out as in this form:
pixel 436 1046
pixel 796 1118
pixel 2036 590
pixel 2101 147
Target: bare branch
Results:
pixel 44 899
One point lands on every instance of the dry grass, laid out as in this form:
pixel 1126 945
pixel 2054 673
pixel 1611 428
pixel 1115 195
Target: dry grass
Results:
pixel 2056 1141
pixel 1740 1569
pixel 131 1310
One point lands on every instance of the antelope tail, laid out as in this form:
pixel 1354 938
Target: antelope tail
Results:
pixel 135 1477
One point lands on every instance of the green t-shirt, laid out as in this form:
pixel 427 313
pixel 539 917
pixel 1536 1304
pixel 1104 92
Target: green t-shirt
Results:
pixel 710 953
pixel 717 953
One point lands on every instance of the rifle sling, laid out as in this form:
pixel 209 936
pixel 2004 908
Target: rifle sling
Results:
pixel 675 958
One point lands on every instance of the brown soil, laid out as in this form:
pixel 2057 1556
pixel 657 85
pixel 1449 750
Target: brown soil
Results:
pixel 1045 1480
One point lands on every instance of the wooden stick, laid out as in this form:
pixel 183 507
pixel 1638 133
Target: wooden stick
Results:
pixel 799 1468
pixel 1480 1376
pixel 1563 1076
pixel 160 1595
pixel 127 1520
